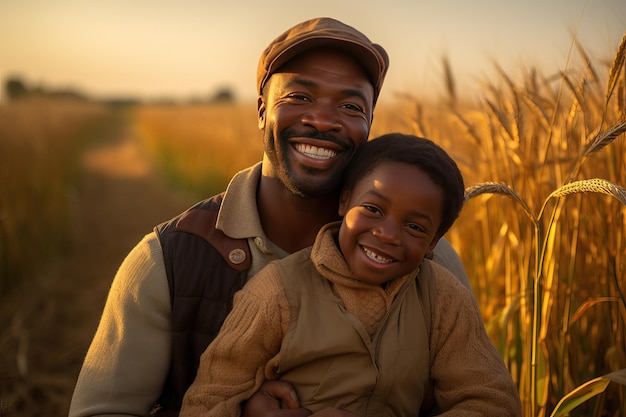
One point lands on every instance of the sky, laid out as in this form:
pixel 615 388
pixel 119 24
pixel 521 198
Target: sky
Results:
pixel 154 49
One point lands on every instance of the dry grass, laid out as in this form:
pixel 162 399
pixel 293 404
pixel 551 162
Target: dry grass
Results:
pixel 199 148
pixel 48 318
pixel 39 144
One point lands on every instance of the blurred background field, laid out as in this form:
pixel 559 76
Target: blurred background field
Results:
pixel 198 147
pixel 549 273
pixel 41 143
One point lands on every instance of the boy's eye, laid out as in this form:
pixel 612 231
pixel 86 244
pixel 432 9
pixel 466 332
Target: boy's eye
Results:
pixel 416 228
pixel 371 209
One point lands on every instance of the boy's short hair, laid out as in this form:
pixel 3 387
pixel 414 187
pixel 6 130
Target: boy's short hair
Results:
pixel 421 153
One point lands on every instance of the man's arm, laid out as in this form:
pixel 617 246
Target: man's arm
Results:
pixel 128 360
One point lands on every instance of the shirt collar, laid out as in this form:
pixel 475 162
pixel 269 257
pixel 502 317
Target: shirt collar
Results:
pixel 238 216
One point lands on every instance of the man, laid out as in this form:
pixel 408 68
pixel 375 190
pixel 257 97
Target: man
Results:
pixel 318 84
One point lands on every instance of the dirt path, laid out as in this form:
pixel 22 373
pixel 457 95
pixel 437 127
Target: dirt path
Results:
pixel 49 325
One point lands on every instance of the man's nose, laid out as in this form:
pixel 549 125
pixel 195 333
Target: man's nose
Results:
pixel 322 118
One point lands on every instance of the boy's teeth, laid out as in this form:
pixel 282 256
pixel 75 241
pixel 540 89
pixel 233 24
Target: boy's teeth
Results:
pixel 374 256
pixel 315 152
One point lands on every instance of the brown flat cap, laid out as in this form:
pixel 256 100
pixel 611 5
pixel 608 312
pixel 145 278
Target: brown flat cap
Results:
pixel 324 32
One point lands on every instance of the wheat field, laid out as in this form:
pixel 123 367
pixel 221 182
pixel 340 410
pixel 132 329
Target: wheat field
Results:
pixel 542 234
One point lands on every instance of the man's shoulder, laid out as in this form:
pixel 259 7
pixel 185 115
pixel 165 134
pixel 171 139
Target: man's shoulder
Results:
pixel 445 255
pixel 199 222
pixel 197 211
pixel 444 252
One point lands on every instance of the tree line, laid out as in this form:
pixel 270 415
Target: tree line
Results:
pixel 15 88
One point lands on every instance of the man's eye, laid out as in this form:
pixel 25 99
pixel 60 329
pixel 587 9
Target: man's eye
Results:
pixel 354 107
pixel 299 97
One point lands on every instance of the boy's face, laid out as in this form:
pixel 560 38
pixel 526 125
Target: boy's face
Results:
pixel 390 222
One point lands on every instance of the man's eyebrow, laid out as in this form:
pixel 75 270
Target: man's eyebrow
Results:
pixel 347 92
pixel 352 92
pixel 303 82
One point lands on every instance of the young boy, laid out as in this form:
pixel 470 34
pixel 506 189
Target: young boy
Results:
pixel 362 321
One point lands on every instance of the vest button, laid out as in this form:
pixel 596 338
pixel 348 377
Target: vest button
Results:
pixel 237 256
pixel 260 243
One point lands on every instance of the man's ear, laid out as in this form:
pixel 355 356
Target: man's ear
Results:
pixel 344 198
pixel 261 112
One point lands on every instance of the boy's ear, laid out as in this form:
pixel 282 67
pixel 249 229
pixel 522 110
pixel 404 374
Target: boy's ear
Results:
pixel 431 248
pixel 344 198
pixel 261 112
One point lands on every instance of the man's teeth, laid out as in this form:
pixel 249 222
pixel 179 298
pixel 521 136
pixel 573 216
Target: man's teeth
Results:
pixel 375 257
pixel 315 152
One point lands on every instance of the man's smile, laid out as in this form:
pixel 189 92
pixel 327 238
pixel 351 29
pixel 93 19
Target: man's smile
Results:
pixel 315 152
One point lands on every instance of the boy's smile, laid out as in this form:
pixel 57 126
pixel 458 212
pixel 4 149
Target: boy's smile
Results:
pixel 391 218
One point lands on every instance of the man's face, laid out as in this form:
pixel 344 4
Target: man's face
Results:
pixel 315 111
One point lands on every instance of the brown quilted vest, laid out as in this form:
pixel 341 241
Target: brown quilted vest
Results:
pixel 204 269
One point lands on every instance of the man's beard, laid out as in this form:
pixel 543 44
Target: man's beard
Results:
pixel 297 186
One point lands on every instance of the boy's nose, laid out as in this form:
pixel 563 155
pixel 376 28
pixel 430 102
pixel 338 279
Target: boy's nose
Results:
pixel 388 232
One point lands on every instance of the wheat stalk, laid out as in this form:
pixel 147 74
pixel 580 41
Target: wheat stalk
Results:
pixel 450 81
pixel 588 62
pixel 594 185
pixel 616 68
pixel 575 92
pixel 537 109
pixel 498 188
pixel 604 138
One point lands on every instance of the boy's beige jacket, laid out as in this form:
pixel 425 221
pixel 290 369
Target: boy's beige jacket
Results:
pixel 346 344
